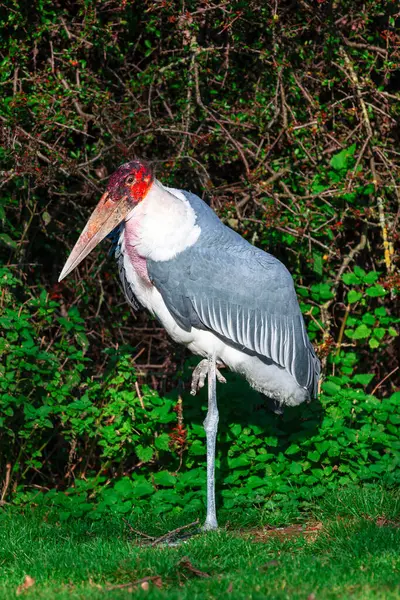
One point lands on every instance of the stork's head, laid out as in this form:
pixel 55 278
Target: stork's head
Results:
pixel 126 188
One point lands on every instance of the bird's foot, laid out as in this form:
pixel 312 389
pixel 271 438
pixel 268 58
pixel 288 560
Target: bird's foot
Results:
pixel 210 525
pixel 200 373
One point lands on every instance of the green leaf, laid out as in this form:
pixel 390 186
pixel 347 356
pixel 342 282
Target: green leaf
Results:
pixel 162 441
pixel 239 461
pixel 373 343
pixel 322 291
pixel 318 263
pixel 353 296
pixel 123 507
pixel 363 378
pixel 303 292
pixel 330 388
pixel 124 487
pixel 164 478
pixel 144 488
pixel 271 441
pixel 340 160
pixel 82 340
pixel 46 217
pixel 359 272
pixel 351 279
pixel 7 241
pixel 322 446
pixel 371 277
pixel 361 332
pixel 293 449
pixel 314 456
pixel 375 291
pixel 295 469
pixel 144 453
pixel 379 332
pixel 392 332
pixel 236 429
pixel 197 448
pixel 368 319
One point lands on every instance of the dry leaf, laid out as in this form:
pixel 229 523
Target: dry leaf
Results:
pixel 186 564
pixel 25 585
pixel 271 563
pixel 144 584
pixel 309 531
pixel 93 584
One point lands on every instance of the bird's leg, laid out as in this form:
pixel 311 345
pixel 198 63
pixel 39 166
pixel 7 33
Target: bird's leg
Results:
pixel 200 373
pixel 211 426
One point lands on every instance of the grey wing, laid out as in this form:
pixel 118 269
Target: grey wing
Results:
pixel 249 301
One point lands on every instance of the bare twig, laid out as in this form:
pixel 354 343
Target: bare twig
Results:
pixel 174 532
pixel 137 532
pixel 283 105
pixel 214 118
pixel 72 35
pixel 363 46
pixel 6 483
pixel 326 317
pixel 139 395
pixel 387 245
pixel 75 102
pixel 15 82
pixel 354 78
pixel 342 328
pixel 376 388
pixel 361 154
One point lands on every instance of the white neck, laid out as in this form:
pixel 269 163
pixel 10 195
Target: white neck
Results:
pixel 162 225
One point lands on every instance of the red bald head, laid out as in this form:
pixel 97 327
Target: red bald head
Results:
pixel 127 187
pixel 133 179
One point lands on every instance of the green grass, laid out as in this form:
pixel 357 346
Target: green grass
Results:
pixel 354 555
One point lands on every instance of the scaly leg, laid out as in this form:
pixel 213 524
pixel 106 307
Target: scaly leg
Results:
pixel 200 373
pixel 211 426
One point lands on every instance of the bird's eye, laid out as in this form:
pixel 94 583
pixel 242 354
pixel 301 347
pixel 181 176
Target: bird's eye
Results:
pixel 129 179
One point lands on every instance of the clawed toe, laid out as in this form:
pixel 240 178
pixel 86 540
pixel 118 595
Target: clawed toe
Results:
pixel 220 377
pixel 199 376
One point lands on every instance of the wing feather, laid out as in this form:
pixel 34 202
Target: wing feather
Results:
pixel 280 339
pixel 126 287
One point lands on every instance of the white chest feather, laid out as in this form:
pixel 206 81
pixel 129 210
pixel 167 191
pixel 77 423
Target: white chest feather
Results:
pixel 162 225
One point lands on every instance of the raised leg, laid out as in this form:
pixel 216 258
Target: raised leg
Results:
pixel 211 427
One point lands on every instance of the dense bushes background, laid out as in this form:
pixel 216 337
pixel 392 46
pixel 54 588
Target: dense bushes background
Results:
pixel 285 116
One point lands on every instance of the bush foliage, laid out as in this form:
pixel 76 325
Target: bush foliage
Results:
pixel 285 117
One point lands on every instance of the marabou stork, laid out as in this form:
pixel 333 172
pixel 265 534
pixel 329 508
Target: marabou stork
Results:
pixel 221 297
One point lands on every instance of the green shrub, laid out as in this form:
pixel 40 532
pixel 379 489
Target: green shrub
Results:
pixel 100 447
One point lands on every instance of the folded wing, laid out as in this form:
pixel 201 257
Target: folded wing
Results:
pixel 244 296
